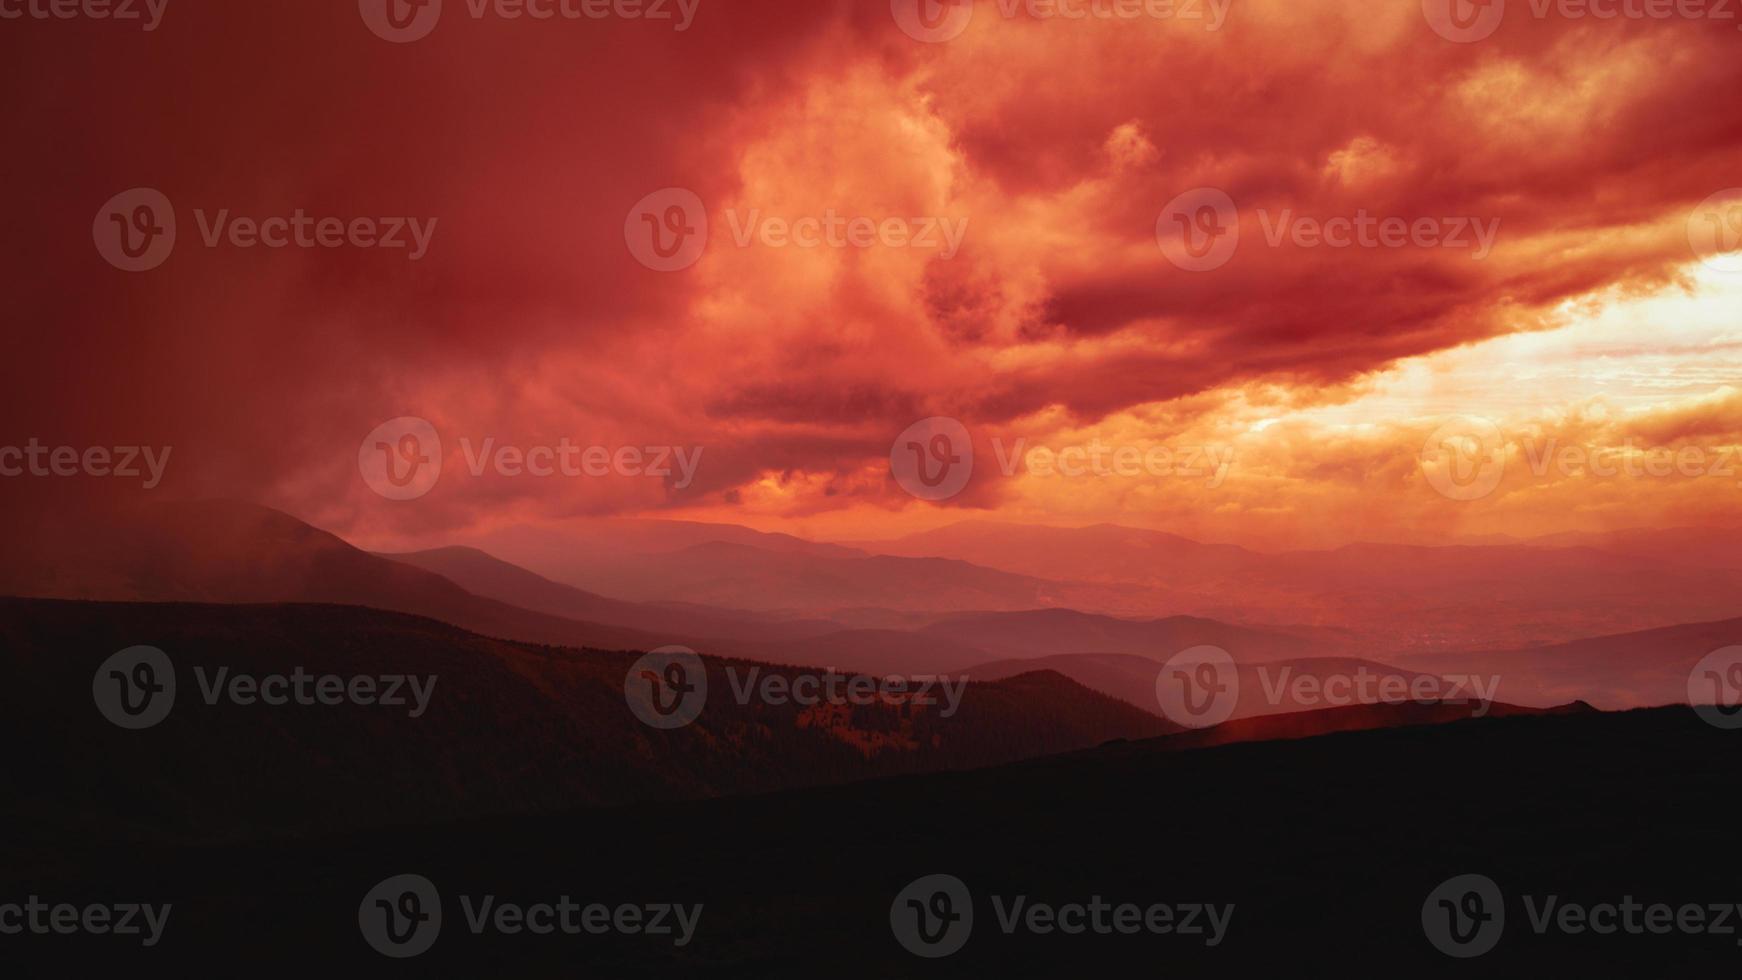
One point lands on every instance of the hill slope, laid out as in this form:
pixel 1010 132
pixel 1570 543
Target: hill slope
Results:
pixel 509 727
pixel 486 575
pixel 230 551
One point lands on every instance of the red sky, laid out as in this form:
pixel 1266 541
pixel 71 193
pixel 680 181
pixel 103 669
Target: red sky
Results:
pixel 1319 373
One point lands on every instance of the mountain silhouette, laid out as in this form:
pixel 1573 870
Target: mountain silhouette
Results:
pixel 483 574
pixel 510 727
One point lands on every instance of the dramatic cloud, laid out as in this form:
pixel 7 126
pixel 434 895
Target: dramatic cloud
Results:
pixel 896 229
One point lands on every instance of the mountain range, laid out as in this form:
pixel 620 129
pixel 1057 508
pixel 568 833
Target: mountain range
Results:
pixel 234 552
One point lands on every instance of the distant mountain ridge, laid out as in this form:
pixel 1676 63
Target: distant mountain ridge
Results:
pixel 230 551
pixel 1630 670
pixel 1045 632
pixel 485 575
pixel 929 615
pixel 1413 598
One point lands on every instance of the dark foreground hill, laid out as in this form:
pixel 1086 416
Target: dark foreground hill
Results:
pixel 506 727
pixel 1327 848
